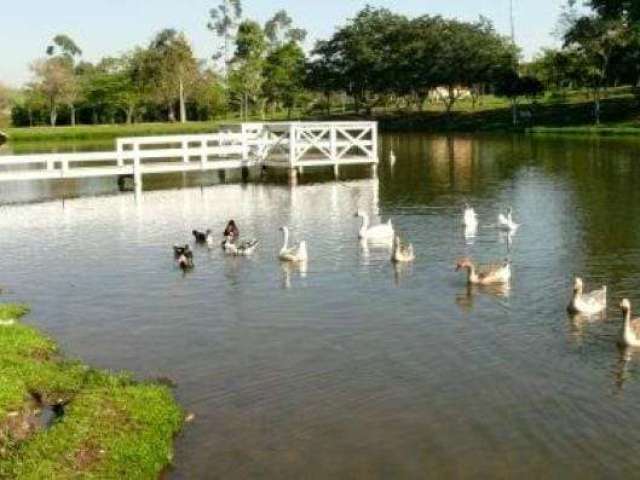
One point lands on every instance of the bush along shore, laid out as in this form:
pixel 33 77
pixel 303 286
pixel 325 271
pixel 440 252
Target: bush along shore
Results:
pixel 61 419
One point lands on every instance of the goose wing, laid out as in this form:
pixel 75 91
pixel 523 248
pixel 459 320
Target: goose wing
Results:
pixel 596 297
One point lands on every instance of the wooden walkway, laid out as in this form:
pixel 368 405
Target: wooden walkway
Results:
pixel 290 145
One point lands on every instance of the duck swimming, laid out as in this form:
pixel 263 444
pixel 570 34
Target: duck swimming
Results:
pixel 201 237
pixel 184 257
pixel 239 249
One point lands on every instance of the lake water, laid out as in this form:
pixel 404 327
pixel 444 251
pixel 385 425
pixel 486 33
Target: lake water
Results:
pixel 352 368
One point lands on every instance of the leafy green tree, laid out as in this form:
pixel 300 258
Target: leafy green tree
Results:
pixel 224 21
pixel 514 87
pixel 470 53
pixel 284 73
pixel 64 45
pixel 358 55
pixel 55 81
pixel 595 39
pixel 279 29
pixel 247 75
pixel 170 69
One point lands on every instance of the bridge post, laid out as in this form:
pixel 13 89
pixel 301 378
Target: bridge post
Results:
pixel 137 173
pixel 333 149
pixel 119 154
pixel 293 172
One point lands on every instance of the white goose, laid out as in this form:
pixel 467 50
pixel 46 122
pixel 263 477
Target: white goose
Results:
pixel 296 253
pixel 506 223
pixel 631 327
pixel 469 219
pixel 242 249
pixel 384 231
pixel 402 253
pixel 587 303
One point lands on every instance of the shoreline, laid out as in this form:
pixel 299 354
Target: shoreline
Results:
pixel 67 419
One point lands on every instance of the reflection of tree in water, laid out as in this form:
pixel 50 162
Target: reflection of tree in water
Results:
pixel 432 166
pixel 602 173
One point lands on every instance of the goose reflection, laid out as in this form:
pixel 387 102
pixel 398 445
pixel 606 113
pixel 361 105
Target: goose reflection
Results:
pixel 622 368
pixel 291 270
pixel 465 298
pixel 401 271
pixel 368 248
pixel 506 238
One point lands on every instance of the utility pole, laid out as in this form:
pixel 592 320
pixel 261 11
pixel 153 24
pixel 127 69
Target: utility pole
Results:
pixel 513 23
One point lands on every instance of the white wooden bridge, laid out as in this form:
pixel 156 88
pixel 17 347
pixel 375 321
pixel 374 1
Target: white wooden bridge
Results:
pixel 290 145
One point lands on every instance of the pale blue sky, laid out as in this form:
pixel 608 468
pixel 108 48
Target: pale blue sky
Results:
pixel 102 27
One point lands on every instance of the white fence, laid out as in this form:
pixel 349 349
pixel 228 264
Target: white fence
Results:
pixel 290 145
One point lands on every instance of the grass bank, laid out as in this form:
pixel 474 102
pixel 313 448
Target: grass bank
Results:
pixel 106 132
pixel 60 419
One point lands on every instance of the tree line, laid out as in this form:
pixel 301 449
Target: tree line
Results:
pixel 378 59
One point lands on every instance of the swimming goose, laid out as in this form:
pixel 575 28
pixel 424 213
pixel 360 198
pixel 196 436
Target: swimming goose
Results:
pixel 631 327
pixel 587 303
pixel 506 223
pixel 296 253
pixel 401 253
pixel 469 220
pixel 242 249
pixel 485 274
pixel 384 231
pixel 202 237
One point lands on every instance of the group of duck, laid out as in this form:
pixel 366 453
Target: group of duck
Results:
pixel 581 302
pixel 498 273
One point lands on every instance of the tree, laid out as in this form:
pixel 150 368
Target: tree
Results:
pixel 66 47
pixel 284 73
pixel 595 39
pixel 224 21
pixel 513 86
pixel 358 56
pixel 55 81
pixel 170 68
pixel 246 77
pixel 66 50
pixel 279 30
pixel 470 53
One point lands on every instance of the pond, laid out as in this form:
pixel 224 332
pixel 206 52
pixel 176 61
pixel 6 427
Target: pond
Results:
pixel 352 368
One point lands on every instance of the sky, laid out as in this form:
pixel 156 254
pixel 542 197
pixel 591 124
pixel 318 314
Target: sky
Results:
pixel 110 27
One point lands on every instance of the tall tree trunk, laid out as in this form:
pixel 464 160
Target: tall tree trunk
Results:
pixel 72 108
pixel 183 107
pixel 129 113
pixel 172 112
pixel 596 106
pixel 53 113
pixel 514 111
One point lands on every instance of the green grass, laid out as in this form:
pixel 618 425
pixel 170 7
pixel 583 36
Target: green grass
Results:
pixel 113 426
pixel 106 132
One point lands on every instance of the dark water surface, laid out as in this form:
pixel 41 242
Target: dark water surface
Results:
pixel 352 368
